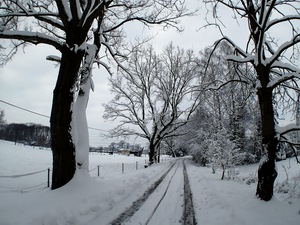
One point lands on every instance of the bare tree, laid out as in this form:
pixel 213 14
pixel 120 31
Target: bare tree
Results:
pixel 150 95
pixel 78 30
pixel 275 64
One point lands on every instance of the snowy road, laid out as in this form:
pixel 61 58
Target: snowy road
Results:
pixel 170 202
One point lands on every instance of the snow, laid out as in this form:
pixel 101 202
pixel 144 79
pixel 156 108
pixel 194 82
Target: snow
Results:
pixel 235 203
pixel 99 200
pixel 80 125
pixel 158 213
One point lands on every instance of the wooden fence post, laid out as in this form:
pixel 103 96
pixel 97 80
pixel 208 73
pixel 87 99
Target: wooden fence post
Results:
pixel 48 177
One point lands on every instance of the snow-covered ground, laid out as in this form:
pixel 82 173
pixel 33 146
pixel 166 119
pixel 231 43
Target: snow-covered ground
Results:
pixel 98 200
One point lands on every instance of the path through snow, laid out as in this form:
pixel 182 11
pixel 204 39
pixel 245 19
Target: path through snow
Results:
pixel 167 201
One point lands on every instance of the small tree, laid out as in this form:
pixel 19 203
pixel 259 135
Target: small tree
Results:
pixel 223 152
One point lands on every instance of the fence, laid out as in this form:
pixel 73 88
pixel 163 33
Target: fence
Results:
pixel 102 170
pixel 114 168
pixel 28 188
pixel 110 169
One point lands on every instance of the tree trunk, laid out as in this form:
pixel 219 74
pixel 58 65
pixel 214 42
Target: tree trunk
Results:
pixel 267 172
pixel 151 153
pixel 223 172
pixel 63 149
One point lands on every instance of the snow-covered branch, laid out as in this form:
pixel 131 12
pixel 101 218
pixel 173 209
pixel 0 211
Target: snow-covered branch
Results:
pixel 31 37
pixel 285 46
pixel 293 145
pixel 281 79
pixel 239 50
pixel 286 18
pixel 286 129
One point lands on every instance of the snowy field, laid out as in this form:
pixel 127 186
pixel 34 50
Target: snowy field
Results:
pixel 22 160
pixel 26 200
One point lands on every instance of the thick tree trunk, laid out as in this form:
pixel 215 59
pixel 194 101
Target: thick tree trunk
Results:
pixel 266 177
pixel 267 172
pixel 63 149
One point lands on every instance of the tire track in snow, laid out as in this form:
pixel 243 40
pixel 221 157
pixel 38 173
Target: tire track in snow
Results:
pixel 188 216
pixel 163 196
pixel 136 205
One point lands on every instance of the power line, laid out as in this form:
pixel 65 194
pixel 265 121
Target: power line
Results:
pixel 92 128
pixel 39 114
pixel 27 110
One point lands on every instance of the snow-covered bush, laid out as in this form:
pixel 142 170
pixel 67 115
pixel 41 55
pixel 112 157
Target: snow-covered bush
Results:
pixel 290 186
pixel 223 153
pixel 217 150
pixel 251 178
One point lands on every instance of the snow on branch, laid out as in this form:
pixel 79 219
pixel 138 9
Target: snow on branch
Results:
pixel 279 80
pixel 292 72
pixel 286 18
pixel 237 48
pixel 281 131
pixel 31 37
pixel 53 58
pixel 285 46
pixel 105 65
pixel 286 66
pixel 49 20
pixel 37 10
pixel 235 58
pixel 292 144
pixel 91 9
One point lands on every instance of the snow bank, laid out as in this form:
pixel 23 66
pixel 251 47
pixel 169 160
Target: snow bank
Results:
pixel 231 202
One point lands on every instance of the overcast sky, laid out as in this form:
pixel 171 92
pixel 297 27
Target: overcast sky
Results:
pixel 29 79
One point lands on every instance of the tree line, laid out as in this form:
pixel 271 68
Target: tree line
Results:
pixel 25 133
pixel 28 134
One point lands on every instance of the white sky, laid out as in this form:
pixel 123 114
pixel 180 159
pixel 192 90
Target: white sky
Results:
pixel 29 79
